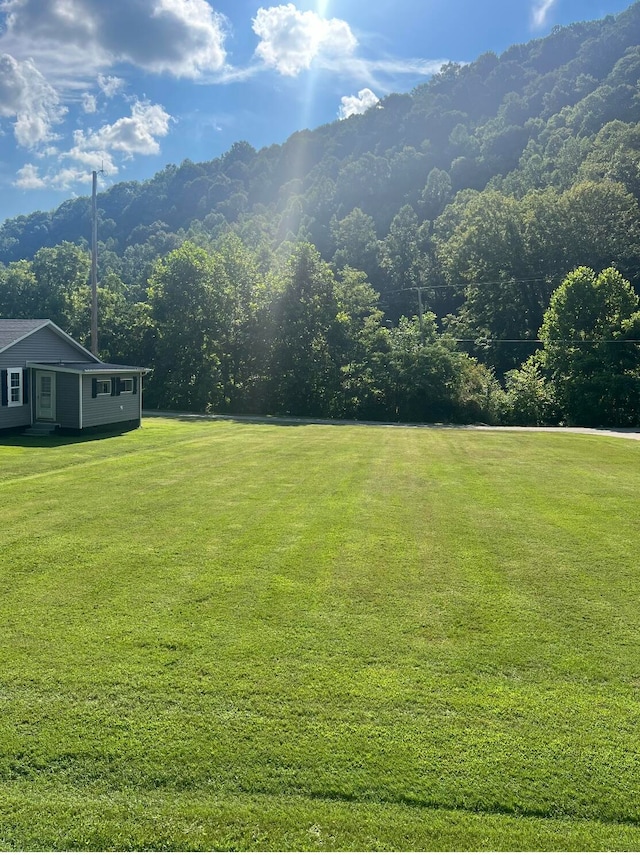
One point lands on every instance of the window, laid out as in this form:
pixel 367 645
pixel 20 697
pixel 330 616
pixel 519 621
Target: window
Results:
pixel 14 387
pixel 113 386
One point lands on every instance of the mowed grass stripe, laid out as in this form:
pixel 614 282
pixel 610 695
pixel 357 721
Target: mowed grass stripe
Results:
pixel 229 612
pixel 27 458
pixel 183 822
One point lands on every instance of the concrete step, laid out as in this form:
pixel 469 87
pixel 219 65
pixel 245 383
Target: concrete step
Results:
pixel 41 429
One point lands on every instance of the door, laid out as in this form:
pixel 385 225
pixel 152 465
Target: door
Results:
pixel 45 396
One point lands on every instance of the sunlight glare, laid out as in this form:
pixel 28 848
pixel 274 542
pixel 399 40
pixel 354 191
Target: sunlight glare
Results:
pixel 322 9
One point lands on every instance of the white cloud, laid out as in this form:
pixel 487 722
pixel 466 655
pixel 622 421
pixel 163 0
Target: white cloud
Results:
pixel 101 149
pixel 290 40
pixel 424 67
pixel 180 37
pixel 26 97
pixel 29 179
pixel 130 135
pixel 353 105
pixel 89 103
pixel 110 86
pixel 47 151
pixel 541 10
pixel 66 179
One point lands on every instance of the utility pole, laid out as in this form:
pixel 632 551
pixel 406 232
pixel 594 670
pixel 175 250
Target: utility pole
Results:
pixel 94 266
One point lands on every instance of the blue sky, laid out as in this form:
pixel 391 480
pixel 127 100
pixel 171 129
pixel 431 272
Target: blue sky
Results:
pixel 131 85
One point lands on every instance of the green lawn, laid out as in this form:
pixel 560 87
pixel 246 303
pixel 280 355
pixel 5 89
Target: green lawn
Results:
pixel 222 635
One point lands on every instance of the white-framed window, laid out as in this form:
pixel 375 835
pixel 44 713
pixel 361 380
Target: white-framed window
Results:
pixel 14 387
pixel 103 387
pixel 126 384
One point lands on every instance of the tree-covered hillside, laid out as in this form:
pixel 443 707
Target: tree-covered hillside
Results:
pixel 396 264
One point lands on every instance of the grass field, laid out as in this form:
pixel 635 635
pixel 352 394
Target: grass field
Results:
pixel 219 635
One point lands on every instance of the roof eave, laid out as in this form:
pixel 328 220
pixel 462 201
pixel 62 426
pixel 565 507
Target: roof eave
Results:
pixel 64 369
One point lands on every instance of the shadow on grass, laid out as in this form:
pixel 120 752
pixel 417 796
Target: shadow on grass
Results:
pixel 16 440
pixel 281 421
pixel 301 421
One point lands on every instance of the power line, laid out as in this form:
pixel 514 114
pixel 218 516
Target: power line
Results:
pixel 510 281
pixel 481 341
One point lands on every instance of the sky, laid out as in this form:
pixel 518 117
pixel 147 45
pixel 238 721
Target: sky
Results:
pixel 129 86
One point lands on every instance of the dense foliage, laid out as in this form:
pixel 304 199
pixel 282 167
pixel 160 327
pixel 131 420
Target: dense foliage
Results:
pixel 401 264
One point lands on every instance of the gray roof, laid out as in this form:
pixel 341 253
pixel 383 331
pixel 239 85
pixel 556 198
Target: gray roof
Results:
pixel 12 329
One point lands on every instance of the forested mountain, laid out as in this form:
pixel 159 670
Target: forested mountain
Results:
pixel 405 263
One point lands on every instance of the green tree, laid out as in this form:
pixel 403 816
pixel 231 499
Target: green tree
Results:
pixel 603 226
pixel 429 380
pixel 360 345
pixel 506 254
pixel 528 395
pixel 62 288
pixel 125 330
pixel 243 340
pixel 187 296
pixel 305 376
pixel 356 243
pixel 485 259
pixel 436 194
pixel 19 295
pixel 615 156
pixel 405 258
pixel 591 355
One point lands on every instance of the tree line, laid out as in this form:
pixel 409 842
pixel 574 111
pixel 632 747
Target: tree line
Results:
pixel 227 329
